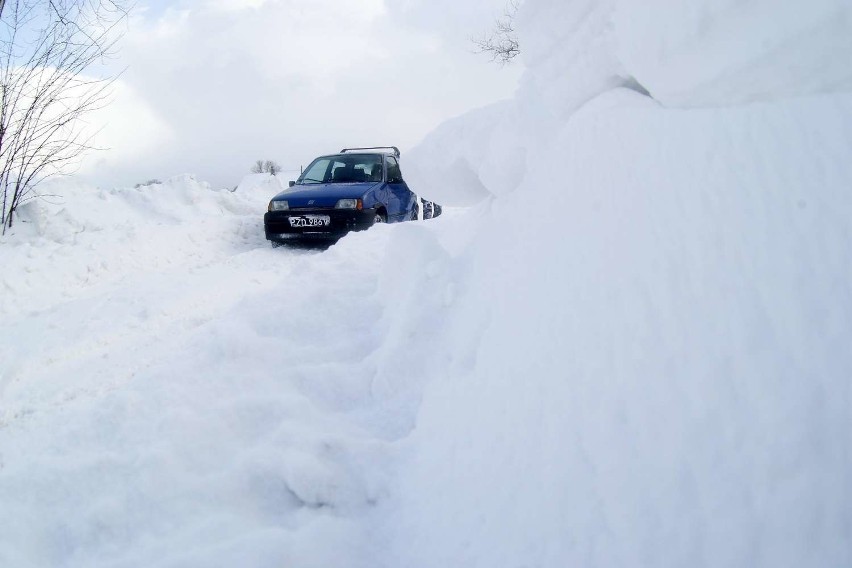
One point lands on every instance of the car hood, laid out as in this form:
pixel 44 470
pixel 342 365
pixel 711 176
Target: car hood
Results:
pixel 325 194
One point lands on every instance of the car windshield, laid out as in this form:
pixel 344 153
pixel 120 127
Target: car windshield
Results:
pixel 343 168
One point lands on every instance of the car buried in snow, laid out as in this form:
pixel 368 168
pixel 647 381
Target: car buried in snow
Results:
pixel 349 191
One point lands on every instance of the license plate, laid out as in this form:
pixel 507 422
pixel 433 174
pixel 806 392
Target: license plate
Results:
pixel 310 221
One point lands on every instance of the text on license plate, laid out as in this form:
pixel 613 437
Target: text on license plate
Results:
pixel 310 221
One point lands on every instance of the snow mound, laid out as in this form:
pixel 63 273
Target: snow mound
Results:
pixel 120 231
pixel 267 184
pixel 731 51
pixel 683 54
pixel 652 367
pixel 646 362
pixel 468 159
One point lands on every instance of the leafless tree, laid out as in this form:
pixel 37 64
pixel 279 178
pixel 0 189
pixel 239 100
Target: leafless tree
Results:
pixel 501 42
pixel 46 49
pixel 266 167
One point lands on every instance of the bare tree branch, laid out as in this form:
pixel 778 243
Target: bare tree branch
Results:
pixel 501 43
pixel 46 47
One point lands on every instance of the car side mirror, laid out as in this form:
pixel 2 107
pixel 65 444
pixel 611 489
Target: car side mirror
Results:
pixel 292 183
pixel 395 179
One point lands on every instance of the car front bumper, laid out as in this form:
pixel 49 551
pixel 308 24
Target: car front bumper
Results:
pixel 278 228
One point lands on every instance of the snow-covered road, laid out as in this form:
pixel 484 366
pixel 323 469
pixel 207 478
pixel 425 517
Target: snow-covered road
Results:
pixel 216 402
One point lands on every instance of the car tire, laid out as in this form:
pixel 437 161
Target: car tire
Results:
pixel 380 218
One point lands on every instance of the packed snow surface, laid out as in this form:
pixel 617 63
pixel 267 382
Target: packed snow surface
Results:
pixel 631 348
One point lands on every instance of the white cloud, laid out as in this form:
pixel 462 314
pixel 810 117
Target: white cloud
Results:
pixel 232 81
pixel 129 130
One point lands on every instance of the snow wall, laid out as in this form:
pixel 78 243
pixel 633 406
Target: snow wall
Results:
pixel 647 362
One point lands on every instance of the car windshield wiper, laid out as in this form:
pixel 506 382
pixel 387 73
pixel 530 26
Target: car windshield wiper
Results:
pixel 312 179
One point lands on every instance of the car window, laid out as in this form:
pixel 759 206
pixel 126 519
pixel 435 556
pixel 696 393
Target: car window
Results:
pixel 316 171
pixel 394 172
pixel 356 168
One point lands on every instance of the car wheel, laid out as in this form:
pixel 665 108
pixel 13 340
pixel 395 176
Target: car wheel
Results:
pixel 380 218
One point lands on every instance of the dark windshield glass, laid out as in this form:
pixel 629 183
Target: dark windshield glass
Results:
pixel 344 168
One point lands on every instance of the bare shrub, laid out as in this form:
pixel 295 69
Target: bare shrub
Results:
pixel 266 167
pixel 152 181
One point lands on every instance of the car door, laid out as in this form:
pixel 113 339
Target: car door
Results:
pixel 400 198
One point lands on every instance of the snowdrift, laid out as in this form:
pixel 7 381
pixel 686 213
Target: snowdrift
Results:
pixel 648 363
pixel 78 236
pixel 650 370
pixel 700 54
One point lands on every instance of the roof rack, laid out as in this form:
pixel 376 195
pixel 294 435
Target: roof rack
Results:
pixel 394 148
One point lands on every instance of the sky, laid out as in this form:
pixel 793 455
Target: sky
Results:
pixel 210 86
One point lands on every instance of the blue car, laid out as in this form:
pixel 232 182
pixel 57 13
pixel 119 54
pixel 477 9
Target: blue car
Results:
pixel 349 191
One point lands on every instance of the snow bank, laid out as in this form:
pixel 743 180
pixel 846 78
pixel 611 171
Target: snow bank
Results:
pixel 646 363
pixel 82 236
pixel 730 51
pixel 685 54
pixel 265 183
pixel 469 159
pixel 651 370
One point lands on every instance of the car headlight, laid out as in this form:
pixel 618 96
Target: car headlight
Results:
pixel 349 204
pixel 278 205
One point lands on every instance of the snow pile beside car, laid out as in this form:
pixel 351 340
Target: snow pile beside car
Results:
pixel 83 236
pixel 647 362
